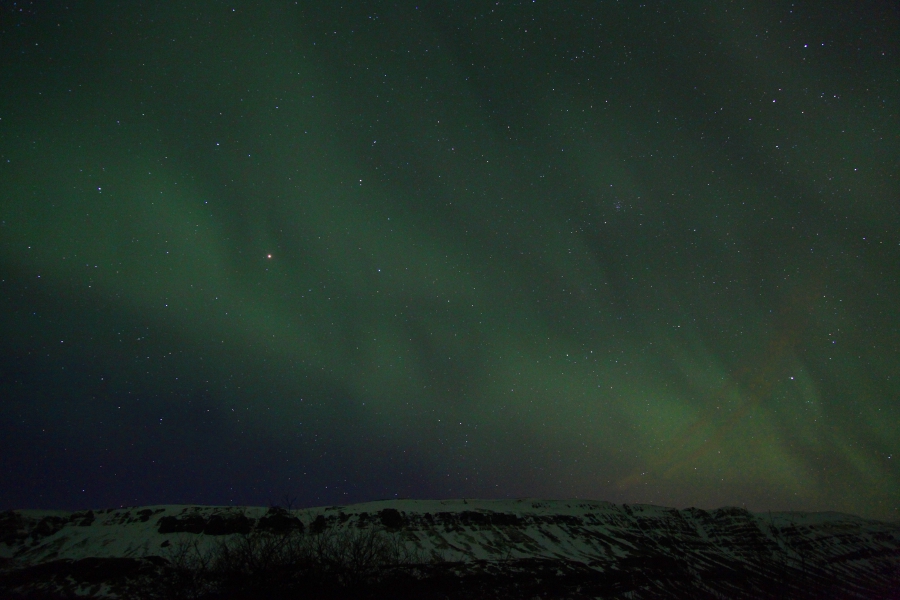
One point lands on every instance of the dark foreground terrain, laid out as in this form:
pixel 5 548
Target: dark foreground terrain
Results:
pixel 446 549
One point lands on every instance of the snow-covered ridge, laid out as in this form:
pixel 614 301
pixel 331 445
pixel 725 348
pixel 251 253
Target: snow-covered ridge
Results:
pixel 461 529
pixel 596 535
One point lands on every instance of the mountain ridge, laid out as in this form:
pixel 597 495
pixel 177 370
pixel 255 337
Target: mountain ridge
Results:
pixel 594 548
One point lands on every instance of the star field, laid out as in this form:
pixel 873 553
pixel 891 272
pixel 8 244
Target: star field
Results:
pixel 630 252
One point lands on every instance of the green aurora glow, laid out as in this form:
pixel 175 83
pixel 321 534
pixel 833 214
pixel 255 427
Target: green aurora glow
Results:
pixel 466 249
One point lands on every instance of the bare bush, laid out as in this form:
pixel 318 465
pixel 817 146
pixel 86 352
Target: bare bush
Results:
pixel 356 557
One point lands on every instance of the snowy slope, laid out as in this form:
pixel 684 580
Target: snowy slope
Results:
pixel 728 544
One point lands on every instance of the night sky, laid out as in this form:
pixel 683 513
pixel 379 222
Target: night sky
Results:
pixel 611 250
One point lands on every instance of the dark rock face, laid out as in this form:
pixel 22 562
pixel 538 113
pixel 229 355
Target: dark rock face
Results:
pixel 48 526
pixel 391 518
pixel 222 525
pixel 82 519
pixel 213 525
pixel 144 515
pixel 319 525
pixel 125 517
pixel 13 528
pixel 278 520
pixel 189 524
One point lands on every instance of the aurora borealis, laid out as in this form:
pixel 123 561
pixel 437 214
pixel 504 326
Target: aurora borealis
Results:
pixel 630 252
